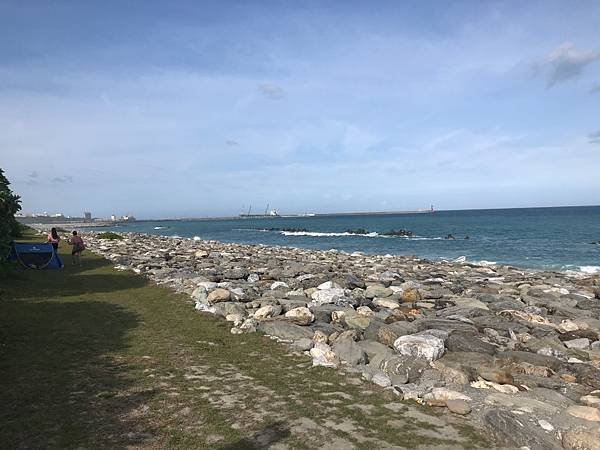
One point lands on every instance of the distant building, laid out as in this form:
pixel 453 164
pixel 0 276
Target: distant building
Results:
pixel 113 218
pixel 128 218
pixel 87 216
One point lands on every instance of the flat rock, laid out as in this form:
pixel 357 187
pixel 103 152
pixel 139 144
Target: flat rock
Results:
pixel 518 431
pixel 466 342
pixel 585 412
pixel 458 406
pixel 284 330
pixel 377 290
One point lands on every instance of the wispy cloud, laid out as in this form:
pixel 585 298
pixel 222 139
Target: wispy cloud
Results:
pixel 232 143
pixel 595 88
pixel 33 174
pixel 271 91
pixel 594 138
pixel 63 179
pixel 564 63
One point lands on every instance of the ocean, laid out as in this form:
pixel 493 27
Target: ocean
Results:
pixel 564 238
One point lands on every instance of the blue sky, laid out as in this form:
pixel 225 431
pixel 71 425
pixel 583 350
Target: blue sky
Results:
pixel 191 109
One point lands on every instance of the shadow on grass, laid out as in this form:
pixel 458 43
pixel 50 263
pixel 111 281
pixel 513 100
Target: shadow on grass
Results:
pixel 60 387
pixel 261 439
pixel 89 278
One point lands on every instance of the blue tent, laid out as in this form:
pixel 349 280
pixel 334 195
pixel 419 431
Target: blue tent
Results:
pixel 35 256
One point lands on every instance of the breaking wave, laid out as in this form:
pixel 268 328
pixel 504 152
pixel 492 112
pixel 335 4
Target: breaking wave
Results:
pixel 590 270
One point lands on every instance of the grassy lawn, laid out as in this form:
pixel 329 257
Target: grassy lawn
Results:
pixel 91 357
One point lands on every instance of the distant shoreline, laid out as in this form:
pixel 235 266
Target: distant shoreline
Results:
pixel 107 223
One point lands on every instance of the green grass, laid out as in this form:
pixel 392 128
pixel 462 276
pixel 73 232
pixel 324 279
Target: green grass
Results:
pixel 109 235
pixel 91 357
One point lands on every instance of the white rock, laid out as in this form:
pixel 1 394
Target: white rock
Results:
pixel 504 388
pixel 325 296
pixel 300 315
pixel 386 303
pixel 279 284
pixel 308 276
pixel 329 285
pixel 380 379
pixel 208 285
pixel 297 292
pixel 237 294
pixel 568 325
pixel 323 356
pixel 420 346
pixel 364 311
pixel 546 425
pixel 441 395
pixel 253 278
pixel 267 311
pixel 337 316
pixel 237 319
pixel 590 400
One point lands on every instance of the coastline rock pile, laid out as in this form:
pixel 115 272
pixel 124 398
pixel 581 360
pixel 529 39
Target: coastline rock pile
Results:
pixel 517 351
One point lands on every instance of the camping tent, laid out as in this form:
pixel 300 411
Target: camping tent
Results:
pixel 35 256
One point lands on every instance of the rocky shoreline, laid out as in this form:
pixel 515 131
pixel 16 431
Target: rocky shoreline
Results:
pixel 515 351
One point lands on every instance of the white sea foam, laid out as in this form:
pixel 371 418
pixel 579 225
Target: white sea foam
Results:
pixel 590 270
pixel 483 262
pixel 346 234
pixel 197 238
pixel 461 259
pixel 159 228
pixel 323 234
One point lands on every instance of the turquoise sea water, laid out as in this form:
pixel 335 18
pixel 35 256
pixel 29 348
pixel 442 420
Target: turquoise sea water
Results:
pixel 540 238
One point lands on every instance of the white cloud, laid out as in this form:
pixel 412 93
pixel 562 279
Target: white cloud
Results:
pixel 565 63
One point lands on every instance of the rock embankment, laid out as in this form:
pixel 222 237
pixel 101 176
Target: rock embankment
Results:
pixel 516 351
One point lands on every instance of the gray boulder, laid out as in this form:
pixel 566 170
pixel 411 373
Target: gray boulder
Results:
pixel 519 431
pixel 284 330
pixel 349 351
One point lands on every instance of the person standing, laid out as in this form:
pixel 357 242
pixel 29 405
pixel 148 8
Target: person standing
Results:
pixel 78 248
pixel 54 238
